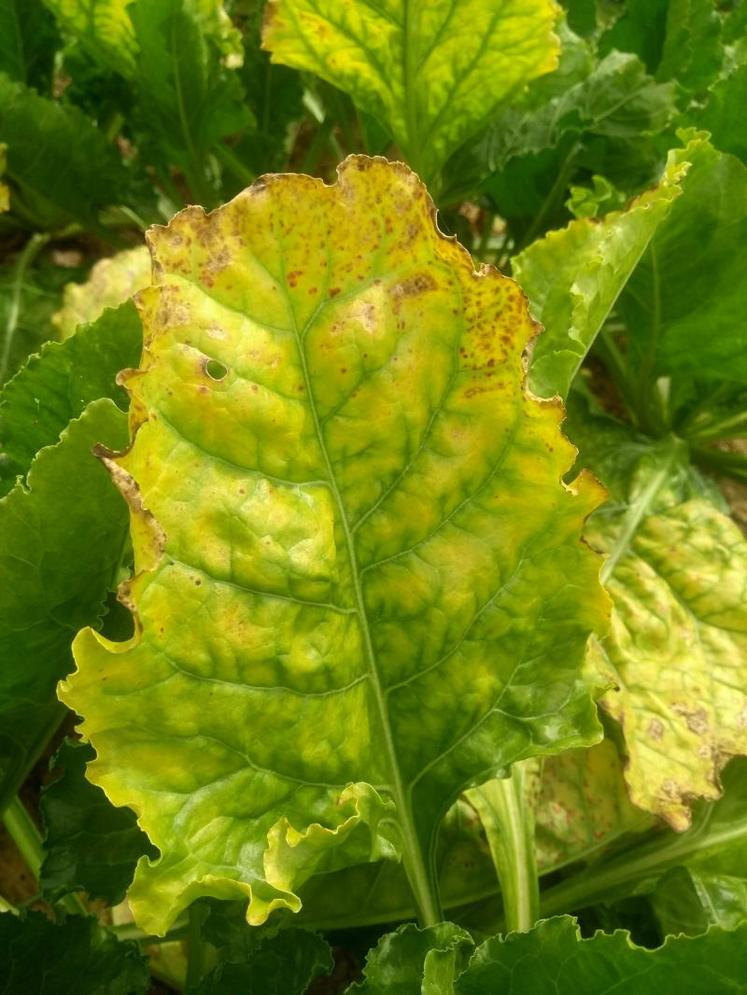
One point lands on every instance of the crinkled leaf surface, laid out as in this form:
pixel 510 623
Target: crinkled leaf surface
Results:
pixel 677 646
pixel 553 958
pixel 432 73
pixel 61 539
pixel 39 957
pixel 111 282
pixel 574 276
pixel 375 558
pixel 90 845
pixel 55 386
pixel 678 649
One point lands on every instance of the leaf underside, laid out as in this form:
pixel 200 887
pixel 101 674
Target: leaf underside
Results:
pixel 359 582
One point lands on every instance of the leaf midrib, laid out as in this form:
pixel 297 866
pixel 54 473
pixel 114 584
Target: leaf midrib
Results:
pixel 417 873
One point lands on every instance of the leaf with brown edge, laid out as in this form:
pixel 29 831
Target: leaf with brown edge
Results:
pixel 359 580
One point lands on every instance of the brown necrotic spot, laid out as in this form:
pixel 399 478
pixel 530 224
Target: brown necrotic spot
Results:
pixel 215 369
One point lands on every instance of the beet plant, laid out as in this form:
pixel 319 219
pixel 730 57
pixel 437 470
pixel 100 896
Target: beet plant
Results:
pixel 373 580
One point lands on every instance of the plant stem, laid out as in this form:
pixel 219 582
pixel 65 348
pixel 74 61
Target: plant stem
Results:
pixel 29 252
pixel 25 835
pixel 509 826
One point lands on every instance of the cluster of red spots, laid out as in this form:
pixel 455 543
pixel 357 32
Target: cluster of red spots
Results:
pixel 334 291
pixel 292 277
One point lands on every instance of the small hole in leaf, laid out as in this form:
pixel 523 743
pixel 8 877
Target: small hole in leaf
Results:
pixel 215 369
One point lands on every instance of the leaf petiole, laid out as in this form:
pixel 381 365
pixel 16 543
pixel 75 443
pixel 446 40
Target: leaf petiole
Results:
pixel 509 826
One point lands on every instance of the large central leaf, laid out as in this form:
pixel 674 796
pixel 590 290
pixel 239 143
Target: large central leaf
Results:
pixel 359 581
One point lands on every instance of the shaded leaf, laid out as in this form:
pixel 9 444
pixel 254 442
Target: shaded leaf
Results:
pixel 336 395
pixel 40 957
pixel 724 113
pixel 554 957
pixel 28 40
pixel 4 192
pixel 692 277
pixel 60 167
pixel 188 101
pixel 55 386
pixel 90 845
pixel 413 960
pixel 582 805
pixel 433 75
pixel 689 901
pixel 715 846
pixel 257 963
pixel 111 282
pixel 641 28
pixel 61 535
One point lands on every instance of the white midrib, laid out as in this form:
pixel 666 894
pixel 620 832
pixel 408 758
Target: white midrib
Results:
pixel 415 866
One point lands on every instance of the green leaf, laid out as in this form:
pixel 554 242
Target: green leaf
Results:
pixel 55 386
pixel 378 893
pixel 102 28
pixel 275 95
pixel 574 276
pixel 375 523
pixel 62 536
pixel 4 192
pixel 111 282
pixel 641 29
pixel 255 963
pixel 724 113
pixel 432 74
pixel 60 167
pixel 691 277
pixel 28 40
pixel 412 960
pixel 30 290
pixel 692 51
pixel 689 902
pixel 42 958
pixel 554 957
pixel 188 101
pixel 89 844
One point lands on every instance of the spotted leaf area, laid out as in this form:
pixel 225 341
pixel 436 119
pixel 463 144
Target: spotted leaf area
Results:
pixel 359 581
pixel 432 73
pixel 676 651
